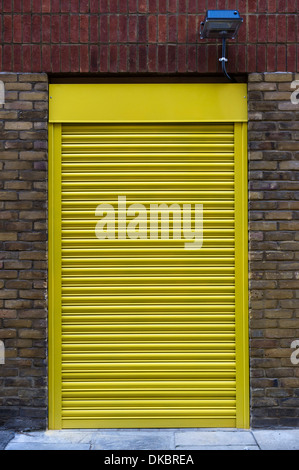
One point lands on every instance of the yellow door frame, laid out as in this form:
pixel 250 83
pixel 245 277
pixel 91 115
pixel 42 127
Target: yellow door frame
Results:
pixel 144 103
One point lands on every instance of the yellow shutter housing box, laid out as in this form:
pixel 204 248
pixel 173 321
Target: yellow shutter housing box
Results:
pixel 148 328
pixel 92 103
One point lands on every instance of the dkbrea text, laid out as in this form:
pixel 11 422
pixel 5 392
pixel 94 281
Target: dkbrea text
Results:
pixel 151 459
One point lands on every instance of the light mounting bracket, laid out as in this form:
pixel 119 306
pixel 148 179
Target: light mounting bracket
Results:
pixel 221 24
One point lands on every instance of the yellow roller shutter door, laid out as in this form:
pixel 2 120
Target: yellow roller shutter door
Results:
pixel 148 330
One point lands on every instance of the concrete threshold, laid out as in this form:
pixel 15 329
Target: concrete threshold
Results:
pixel 155 439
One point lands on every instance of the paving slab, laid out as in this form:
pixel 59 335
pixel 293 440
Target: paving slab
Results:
pixel 215 438
pixel 277 439
pixel 51 440
pixel 190 448
pixel 46 446
pixel 5 437
pixel 133 441
pixel 51 437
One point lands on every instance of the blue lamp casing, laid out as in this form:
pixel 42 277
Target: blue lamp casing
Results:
pixel 220 24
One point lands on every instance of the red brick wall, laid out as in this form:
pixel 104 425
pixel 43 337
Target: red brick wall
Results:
pixel 143 36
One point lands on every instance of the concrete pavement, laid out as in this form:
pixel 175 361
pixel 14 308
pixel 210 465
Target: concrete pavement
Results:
pixel 154 439
pixel 5 437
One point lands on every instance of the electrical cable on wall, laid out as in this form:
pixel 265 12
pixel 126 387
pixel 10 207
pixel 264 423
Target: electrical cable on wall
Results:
pixel 221 24
pixel 223 61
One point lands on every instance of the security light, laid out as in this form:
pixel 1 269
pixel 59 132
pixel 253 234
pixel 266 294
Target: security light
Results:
pixel 221 24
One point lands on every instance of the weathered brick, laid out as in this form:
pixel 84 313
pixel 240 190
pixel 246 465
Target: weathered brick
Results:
pixel 19 226
pixel 18 284
pixel 8 155
pixel 16 264
pixel 8 114
pixel 18 125
pixel 32 77
pixel 19 105
pixel 33 155
pixel 33 96
pixel 276 95
pixel 17 165
pixel 290 382
pixel 32 313
pixel 277 116
pixel 32 195
pixel 8 313
pixel 289 165
pixel 8 236
pixel 278 77
pixel 7 333
pixel 255 77
pixel 32 352
pixel 36 255
pixel 279 215
pixel 32 215
pixel 33 115
pixel 8 195
pixel 262 86
pixel 286 105
pixel 18 86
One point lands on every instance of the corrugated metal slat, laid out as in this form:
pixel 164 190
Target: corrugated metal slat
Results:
pixel 148 327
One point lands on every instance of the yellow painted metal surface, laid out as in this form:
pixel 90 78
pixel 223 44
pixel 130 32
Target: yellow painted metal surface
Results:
pixel 137 102
pixel 144 332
